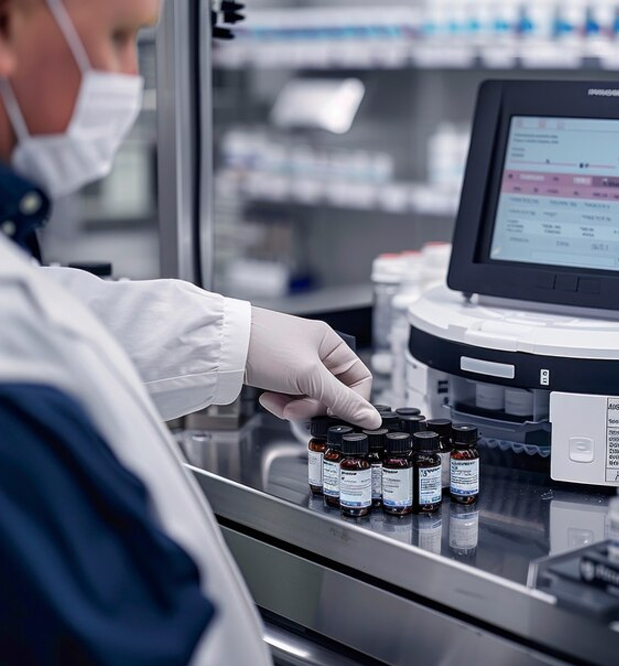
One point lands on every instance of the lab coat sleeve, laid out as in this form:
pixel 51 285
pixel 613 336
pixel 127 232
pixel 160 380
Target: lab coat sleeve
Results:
pixel 188 345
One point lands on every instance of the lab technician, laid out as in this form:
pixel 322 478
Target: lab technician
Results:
pixel 110 554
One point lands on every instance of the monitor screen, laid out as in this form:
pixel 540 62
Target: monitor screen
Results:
pixel 559 199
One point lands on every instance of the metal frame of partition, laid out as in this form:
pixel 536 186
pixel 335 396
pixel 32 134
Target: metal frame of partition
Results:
pixel 185 139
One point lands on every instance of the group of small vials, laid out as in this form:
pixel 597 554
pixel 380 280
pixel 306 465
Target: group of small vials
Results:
pixel 402 468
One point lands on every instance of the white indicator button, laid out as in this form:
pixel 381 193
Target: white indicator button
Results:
pixel 581 449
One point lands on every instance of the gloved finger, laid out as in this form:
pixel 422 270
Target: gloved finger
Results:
pixel 275 403
pixel 361 386
pixel 342 362
pixel 301 409
pixel 340 399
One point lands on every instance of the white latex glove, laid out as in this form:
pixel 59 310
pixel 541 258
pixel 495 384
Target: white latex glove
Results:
pixel 307 369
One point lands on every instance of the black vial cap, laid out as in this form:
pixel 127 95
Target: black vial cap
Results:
pixel 382 408
pixel 355 443
pixel 426 441
pixel 413 424
pixel 408 411
pixel 319 426
pixel 465 435
pixel 398 442
pixel 391 421
pixel 335 434
pixel 441 426
pixel 376 439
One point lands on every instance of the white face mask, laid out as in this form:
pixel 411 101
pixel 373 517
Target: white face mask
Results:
pixel 106 108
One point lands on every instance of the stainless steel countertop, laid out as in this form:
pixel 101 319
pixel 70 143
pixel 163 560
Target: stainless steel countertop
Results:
pixel 475 560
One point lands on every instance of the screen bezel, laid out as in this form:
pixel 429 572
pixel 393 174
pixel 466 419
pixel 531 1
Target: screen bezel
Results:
pixel 471 270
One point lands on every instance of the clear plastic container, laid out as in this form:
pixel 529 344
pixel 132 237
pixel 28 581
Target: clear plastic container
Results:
pixel 387 271
pixel 436 257
pixel 400 333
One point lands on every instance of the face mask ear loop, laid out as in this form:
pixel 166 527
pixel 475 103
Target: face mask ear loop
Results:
pixel 12 108
pixel 60 14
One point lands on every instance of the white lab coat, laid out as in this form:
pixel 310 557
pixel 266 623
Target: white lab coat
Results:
pixel 189 346
pixel 49 337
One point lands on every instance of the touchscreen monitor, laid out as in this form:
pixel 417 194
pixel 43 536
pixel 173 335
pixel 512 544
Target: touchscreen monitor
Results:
pixel 559 195
pixel 539 213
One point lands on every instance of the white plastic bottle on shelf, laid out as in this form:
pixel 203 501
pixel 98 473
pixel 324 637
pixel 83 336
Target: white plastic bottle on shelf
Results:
pixel 411 289
pixel 436 256
pixel 435 20
pixel 440 154
pixel 599 28
pixel 570 25
pixel 504 17
pixel 535 25
pixel 387 272
pixel 447 152
pixel 480 14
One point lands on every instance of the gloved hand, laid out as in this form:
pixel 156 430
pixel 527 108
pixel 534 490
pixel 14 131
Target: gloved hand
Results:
pixel 307 369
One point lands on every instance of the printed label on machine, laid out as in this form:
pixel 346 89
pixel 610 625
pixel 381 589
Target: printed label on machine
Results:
pixel 612 440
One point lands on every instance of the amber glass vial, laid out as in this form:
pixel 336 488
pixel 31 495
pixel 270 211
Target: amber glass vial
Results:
pixel 427 486
pixel 443 427
pixel 355 476
pixel 316 450
pixel 376 439
pixel 331 465
pixel 398 474
pixel 464 465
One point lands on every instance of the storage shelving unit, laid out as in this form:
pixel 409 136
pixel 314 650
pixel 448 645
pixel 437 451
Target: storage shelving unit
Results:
pixel 416 78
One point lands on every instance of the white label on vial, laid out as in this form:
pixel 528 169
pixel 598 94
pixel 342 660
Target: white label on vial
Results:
pixel 331 478
pixel 445 460
pixel 430 485
pixel 377 481
pixel 356 488
pixel 314 468
pixel 397 487
pixel 464 477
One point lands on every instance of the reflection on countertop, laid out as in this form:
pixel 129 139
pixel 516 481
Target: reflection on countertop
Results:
pixel 521 514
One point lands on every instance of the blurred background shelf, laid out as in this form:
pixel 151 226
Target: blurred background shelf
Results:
pixel 328 56
pixel 340 133
pixel 495 34
pixel 392 197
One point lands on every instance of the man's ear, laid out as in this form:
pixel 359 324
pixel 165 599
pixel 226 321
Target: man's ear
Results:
pixel 8 17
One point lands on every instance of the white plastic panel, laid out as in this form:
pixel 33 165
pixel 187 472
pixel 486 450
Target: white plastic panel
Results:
pixel 489 368
pixel 585 438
